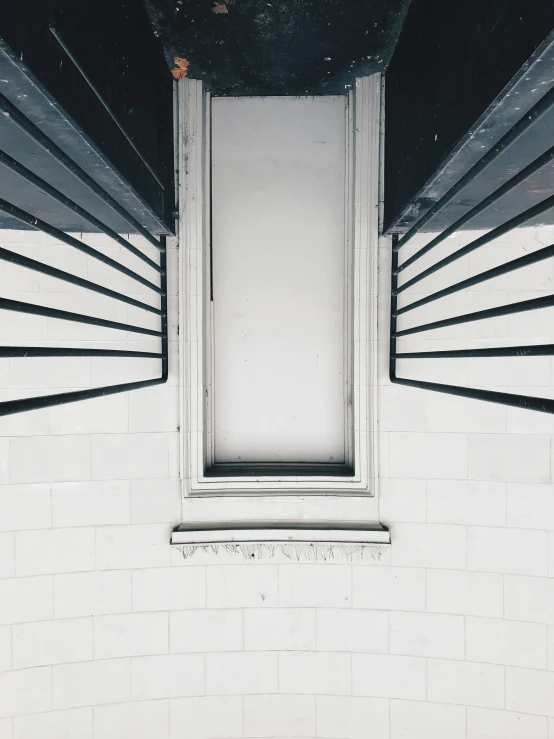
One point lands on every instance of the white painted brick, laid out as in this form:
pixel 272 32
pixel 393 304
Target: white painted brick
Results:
pixel 427 635
pixel 429 545
pixel 169 589
pixel 402 500
pixel 129 635
pixel 471 593
pixel 530 691
pixel 129 456
pixel 397 588
pixel 155 501
pixel 521 421
pixel 401 408
pixel 5 648
pixel 229 586
pixel 140 720
pixel 509 457
pixel 25 507
pixel 52 642
pixel 531 506
pixel 7 555
pixel 315 585
pixel 428 455
pixel 511 551
pixel 279 716
pixel 91 683
pixel 487 724
pixel 213 717
pixel 130 547
pixel 76 723
pixel 5 455
pixel 506 642
pixel 167 676
pixel 6 731
pixel 465 683
pixel 25 599
pixel 279 629
pixel 49 458
pixel 30 423
pixel 54 550
pixel 466 502
pixel 550 648
pixel 355 718
pixel 50 372
pixel 241 673
pixel 314 672
pixel 450 413
pixel 91 594
pixel 206 631
pixel 388 676
pixel 90 503
pixel 109 414
pixel 154 409
pixel 25 691
pixel 551 553
pixel 414 720
pixel 529 599
pixel 352 630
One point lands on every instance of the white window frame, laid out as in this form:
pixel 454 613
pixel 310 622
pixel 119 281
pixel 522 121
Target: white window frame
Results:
pixel 195 335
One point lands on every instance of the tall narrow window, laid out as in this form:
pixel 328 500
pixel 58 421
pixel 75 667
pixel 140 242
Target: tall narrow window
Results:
pixel 281 370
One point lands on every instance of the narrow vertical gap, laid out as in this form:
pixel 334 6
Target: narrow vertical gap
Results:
pixel 210 204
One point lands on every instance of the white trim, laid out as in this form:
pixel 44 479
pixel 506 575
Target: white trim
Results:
pixel 195 334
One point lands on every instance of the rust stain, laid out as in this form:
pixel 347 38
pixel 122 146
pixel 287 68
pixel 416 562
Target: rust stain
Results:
pixel 220 7
pixel 181 68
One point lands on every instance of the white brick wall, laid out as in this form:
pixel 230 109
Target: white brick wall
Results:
pixel 106 633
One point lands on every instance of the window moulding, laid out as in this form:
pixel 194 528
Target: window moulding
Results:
pixel 272 511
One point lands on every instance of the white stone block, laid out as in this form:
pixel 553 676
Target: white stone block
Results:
pixel 25 691
pixel 352 630
pixel 466 502
pixel 280 628
pixel 401 408
pixel 487 724
pixel 25 507
pixel 169 589
pixel 25 599
pixel 156 501
pixel 352 717
pixel 129 635
pixel 92 594
pixel 167 676
pixel 154 409
pixel 509 457
pixel 241 673
pixel 314 672
pixel 206 631
pixel 129 456
pixel 279 716
pixel 389 676
pixel 530 506
pixel 396 588
pixel 465 683
pixel 529 599
pixel 7 555
pixel 232 586
pixel 90 503
pixel 451 413
pixel 315 585
pixel 5 648
pixel 511 551
pixel 416 720
pixel 75 723
pixel 54 550
pixel 49 458
pixel 429 545
pixel 52 642
pixel 140 720
pixel 132 547
pixel 211 717
pixel 91 683
pixel 506 642
pixel 427 635
pixel 471 593
pixel 530 691
pixel 428 455
pixel 402 500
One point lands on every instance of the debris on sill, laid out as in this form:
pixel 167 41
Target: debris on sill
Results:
pixel 181 68
pixel 220 7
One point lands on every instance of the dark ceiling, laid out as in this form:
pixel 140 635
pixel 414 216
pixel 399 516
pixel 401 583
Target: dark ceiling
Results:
pixel 280 47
